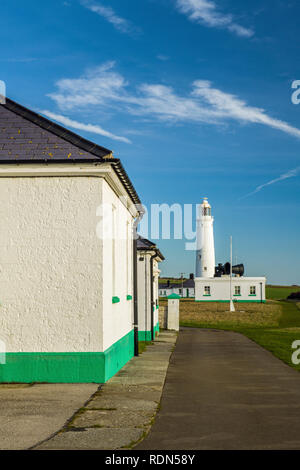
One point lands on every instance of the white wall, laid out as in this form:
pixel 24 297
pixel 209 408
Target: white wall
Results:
pixel 144 291
pixel 50 264
pixel 118 318
pixel 156 273
pixel 220 288
pixel 55 272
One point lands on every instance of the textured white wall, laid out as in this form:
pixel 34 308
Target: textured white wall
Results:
pixel 144 292
pixel 173 314
pixel 220 289
pixel 51 264
pixel 118 317
pixel 156 273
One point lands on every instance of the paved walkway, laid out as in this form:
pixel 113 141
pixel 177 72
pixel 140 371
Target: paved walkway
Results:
pixel 31 413
pixel 122 411
pixel 223 391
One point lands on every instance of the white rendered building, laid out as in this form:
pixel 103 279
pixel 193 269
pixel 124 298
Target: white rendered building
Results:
pixel 187 290
pixel 244 289
pixel 66 254
pixel 209 287
pixel 148 258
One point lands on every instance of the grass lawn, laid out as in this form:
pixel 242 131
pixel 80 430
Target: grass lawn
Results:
pixel 280 292
pixel 274 325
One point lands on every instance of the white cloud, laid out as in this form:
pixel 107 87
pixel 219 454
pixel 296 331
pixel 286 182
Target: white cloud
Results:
pixel 108 13
pixel 94 88
pixel 284 176
pixel 206 12
pixel 228 105
pixel 104 87
pixel 83 127
pixel 162 57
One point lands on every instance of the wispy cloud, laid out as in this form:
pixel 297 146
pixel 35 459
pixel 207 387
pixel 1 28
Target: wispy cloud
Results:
pixel 83 127
pixel 106 88
pixel 284 176
pixel 162 57
pixel 206 12
pixel 121 24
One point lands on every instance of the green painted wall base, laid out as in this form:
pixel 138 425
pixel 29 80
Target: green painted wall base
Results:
pixel 156 329
pixel 235 301
pixel 89 367
pixel 146 335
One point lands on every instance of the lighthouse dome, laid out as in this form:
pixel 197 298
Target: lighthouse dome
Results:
pixel 205 202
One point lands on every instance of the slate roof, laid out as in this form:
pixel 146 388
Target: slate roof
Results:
pixel 28 137
pixel 145 244
pixel 189 283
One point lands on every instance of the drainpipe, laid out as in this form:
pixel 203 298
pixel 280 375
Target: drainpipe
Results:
pixel 135 281
pixel 152 295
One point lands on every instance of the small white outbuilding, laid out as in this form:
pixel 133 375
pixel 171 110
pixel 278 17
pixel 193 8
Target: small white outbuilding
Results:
pixel 185 289
pixel 66 254
pixel 244 289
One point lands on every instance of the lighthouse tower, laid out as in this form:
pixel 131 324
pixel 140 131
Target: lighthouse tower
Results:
pixel 205 255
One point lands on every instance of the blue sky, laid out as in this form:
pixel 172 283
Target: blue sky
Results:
pixel 194 96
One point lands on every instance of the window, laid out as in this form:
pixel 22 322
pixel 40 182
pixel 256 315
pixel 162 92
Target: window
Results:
pixel 206 211
pixel 252 290
pixel 165 292
pixel 180 291
pixel 237 290
pixel 207 290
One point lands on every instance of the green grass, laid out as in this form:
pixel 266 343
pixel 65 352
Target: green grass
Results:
pixel 163 280
pixel 275 332
pixel 143 346
pixel 280 292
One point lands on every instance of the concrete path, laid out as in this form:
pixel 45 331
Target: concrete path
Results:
pixel 31 413
pixel 223 391
pixel 122 411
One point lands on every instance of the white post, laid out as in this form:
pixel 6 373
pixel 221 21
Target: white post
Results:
pixel 173 312
pixel 232 309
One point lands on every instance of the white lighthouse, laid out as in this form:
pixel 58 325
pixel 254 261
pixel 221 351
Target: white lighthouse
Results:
pixel 227 283
pixel 205 255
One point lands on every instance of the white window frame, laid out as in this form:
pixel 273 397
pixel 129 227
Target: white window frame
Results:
pixel 207 291
pixel 253 290
pixel 237 290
